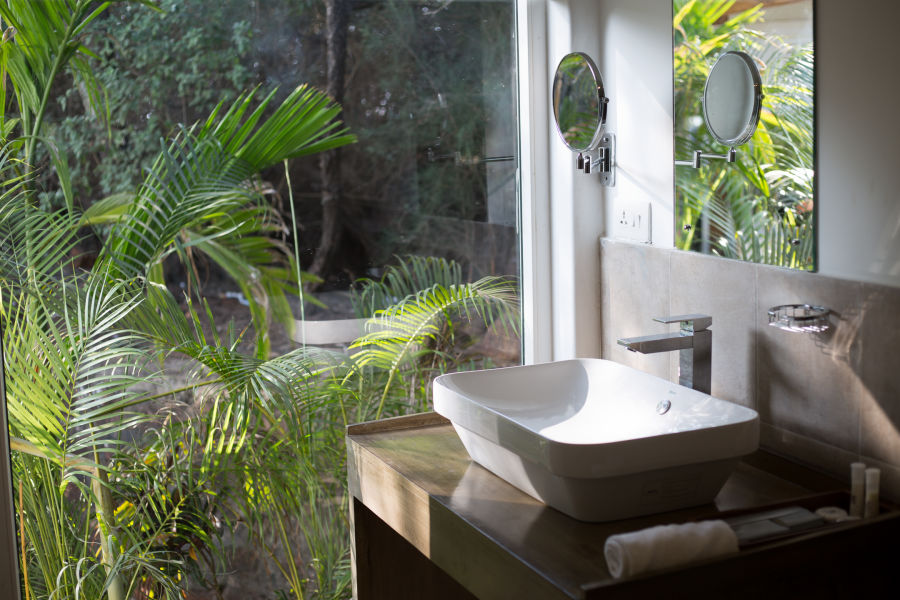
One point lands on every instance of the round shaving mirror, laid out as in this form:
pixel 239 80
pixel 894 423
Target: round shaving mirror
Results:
pixel 579 104
pixel 732 99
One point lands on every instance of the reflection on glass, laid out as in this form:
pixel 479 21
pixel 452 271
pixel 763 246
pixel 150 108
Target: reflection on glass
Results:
pixel 730 100
pixel 760 208
pixel 577 92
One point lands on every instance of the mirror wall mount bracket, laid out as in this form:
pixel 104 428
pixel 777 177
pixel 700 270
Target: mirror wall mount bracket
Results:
pixel 729 156
pixel 601 160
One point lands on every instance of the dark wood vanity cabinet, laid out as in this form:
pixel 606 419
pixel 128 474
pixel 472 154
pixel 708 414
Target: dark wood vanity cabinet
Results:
pixel 430 524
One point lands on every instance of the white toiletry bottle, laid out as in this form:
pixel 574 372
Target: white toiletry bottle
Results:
pixel 873 477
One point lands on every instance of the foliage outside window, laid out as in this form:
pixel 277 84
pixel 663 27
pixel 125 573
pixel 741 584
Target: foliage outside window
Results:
pixel 761 208
pixel 157 444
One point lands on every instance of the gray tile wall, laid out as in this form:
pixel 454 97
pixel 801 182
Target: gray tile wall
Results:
pixel 824 399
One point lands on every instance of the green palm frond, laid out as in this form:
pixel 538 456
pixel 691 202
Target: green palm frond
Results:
pixel 306 122
pixel 60 563
pixel 71 375
pixel 194 185
pixel 789 104
pixel 410 275
pixel 744 232
pixel 107 211
pixel 192 180
pixel 206 175
pixel 401 333
pixel 33 243
pixel 200 195
pixel 71 368
pixel 266 383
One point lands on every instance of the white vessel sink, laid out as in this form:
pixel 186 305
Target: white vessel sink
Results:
pixel 597 440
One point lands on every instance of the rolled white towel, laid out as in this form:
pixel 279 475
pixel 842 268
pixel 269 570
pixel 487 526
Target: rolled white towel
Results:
pixel 664 546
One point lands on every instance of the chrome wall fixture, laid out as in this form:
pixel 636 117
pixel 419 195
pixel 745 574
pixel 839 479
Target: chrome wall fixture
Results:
pixel 603 163
pixel 729 156
pixel 579 107
pixel 732 99
pixel 800 318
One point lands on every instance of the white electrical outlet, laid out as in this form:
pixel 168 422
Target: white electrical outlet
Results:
pixel 631 221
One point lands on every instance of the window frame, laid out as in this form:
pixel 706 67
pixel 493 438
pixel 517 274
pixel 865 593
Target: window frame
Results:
pixel 534 184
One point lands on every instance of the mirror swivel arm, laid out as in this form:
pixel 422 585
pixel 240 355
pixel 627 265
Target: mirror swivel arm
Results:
pixel 601 165
pixel 729 156
pixel 600 160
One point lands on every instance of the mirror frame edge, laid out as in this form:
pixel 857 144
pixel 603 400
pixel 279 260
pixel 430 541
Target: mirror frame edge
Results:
pixel 602 108
pixel 815 150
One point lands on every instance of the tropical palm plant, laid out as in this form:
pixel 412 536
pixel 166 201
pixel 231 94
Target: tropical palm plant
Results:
pixel 80 345
pixel 265 455
pixel 202 195
pixel 760 208
pixel 216 160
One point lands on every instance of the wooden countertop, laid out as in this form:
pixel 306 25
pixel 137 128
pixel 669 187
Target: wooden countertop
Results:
pixel 414 474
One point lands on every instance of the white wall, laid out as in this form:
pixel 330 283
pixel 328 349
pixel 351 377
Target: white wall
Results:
pixel 636 62
pixel 857 90
pixel 631 42
pixel 858 172
pixel 576 210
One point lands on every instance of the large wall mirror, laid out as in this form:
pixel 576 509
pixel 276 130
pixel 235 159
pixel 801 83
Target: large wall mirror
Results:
pixel 760 207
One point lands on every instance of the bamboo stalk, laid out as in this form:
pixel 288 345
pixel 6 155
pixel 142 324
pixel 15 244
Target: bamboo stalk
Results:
pixel 22 544
pixel 103 508
pixel 105 520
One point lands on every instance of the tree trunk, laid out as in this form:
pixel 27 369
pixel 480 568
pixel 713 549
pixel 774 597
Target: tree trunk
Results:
pixel 337 16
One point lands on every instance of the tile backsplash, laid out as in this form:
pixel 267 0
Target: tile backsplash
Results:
pixel 824 399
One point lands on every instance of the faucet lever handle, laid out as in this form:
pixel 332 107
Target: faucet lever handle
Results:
pixel 690 323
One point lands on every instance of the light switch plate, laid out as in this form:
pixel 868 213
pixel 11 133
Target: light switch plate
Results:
pixel 631 221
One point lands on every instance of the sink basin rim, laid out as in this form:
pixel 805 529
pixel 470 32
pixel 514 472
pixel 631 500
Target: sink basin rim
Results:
pixel 604 458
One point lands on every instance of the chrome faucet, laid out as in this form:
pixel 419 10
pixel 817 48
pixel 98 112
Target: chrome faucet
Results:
pixel 694 343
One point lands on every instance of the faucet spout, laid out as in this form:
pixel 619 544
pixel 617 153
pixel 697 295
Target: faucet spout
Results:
pixel 693 342
pixel 663 342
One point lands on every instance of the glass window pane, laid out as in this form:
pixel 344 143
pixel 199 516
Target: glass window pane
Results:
pixel 177 401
